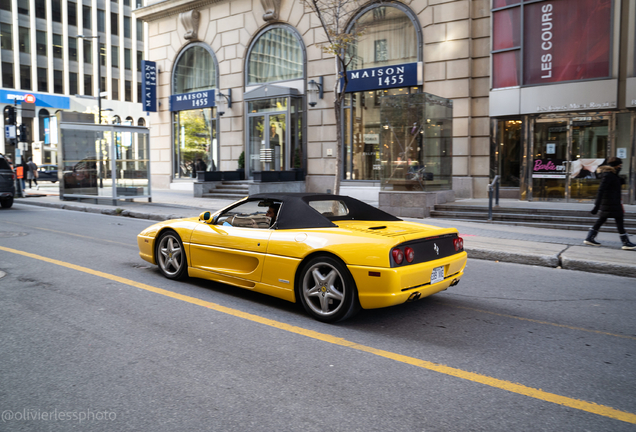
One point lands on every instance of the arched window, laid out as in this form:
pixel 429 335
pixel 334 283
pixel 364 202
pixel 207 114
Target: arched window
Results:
pixel 389 37
pixel 194 116
pixel 141 122
pixel 276 55
pixel 116 119
pixel 129 121
pixel 195 70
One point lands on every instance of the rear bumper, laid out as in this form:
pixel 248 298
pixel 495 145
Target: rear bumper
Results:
pixel 395 285
pixel 7 194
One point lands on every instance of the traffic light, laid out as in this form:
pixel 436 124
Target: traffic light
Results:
pixel 9 115
pixel 23 132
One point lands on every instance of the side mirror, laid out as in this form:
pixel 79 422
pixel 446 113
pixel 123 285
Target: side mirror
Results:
pixel 205 217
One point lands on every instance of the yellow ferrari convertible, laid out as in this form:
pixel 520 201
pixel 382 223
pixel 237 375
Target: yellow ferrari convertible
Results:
pixel 333 253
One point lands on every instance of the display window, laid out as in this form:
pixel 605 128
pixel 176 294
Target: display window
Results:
pixel 195 143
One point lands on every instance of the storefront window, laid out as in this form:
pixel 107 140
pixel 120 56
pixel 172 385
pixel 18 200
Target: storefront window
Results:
pixel 275 56
pixel 388 40
pixel 195 138
pixel 196 147
pixel 507 152
pixel 416 137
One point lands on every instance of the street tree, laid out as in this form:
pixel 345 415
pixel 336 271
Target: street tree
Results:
pixel 334 17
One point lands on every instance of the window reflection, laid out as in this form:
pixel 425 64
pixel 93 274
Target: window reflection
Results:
pixel 195 71
pixel 276 56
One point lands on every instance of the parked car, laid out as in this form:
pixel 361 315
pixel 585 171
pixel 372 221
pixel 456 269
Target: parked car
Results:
pixel 47 172
pixel 332 253
pixel 7 183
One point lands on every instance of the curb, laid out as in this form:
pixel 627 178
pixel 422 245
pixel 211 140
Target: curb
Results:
pixel 599 267
pixel 513 257
pixel 106 211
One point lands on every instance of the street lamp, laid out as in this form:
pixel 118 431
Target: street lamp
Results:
pixel 99 76
pixel 223 101
pixel 314 91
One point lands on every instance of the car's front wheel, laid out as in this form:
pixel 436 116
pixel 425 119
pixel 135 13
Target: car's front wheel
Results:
pixel 7 202
pixel 171 256
pixel 327 290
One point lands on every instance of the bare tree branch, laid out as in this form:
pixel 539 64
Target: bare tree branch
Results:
pixel 334 16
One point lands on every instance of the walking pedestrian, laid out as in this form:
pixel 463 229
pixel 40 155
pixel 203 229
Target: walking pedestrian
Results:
pixel 32 173
pixel 609 203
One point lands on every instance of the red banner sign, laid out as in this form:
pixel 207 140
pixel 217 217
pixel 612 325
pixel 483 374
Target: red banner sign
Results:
pixel 567 40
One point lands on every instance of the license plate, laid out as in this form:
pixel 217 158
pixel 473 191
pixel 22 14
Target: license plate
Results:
pixel 437 275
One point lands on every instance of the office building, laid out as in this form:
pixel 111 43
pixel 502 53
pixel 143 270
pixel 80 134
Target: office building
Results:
pixel 44 60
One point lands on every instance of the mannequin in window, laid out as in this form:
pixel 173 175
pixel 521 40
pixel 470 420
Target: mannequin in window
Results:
pixel 274 138
pixel 274 144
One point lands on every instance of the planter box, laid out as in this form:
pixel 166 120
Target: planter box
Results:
pixel 287 176
pixel 278 176
pixel 266 176
pixel 209 175
pixel 218 175
pixel 231 175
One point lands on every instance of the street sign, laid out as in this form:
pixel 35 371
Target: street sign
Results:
pixel 9 132
pixel 149 85
pixel 28 109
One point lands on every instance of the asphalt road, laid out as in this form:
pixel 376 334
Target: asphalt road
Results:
pixel 94 338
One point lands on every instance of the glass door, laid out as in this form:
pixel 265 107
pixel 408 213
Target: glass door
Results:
pixel 257 143
pixel 549 160
pixel 566 153
pixel 268 143
pixel 589 150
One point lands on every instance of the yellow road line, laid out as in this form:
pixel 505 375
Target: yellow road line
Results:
pixel 540 322
pixel 539 394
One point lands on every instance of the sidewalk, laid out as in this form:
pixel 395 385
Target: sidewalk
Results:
pixel 506 243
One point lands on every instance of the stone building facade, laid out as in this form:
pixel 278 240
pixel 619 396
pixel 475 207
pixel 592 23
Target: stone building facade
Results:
pixel 452 53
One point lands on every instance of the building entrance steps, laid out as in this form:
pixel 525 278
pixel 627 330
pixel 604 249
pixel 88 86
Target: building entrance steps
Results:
pixel 229 190
pixel 566 216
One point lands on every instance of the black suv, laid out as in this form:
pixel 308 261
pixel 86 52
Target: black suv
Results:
pixel 7 183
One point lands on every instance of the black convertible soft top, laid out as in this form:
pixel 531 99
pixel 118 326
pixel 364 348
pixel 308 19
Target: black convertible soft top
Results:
pixel 296 213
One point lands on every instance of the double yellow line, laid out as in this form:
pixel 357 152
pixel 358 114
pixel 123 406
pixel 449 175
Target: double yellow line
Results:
pixel 539 394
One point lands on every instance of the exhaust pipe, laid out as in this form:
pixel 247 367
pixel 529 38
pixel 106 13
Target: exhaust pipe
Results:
pixel 454 282
pixel 414 296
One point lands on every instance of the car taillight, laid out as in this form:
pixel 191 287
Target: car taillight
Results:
pixel 409 254
pixel 458 243
pixel 398 255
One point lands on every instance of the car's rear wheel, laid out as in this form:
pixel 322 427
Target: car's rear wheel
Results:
pixel 171 256
pixel 7 202
pixel 327 290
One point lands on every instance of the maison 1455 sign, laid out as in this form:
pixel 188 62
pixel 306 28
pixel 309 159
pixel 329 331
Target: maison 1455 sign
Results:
pixel 188 101
pixel 384 77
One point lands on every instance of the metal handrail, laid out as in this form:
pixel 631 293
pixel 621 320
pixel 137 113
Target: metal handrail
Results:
pixel 495 183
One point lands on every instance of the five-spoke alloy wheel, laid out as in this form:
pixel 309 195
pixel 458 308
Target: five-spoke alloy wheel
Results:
pixel 171 257
pixel 327 290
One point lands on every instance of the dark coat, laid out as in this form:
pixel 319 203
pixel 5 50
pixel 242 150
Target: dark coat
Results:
pixel 608 198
